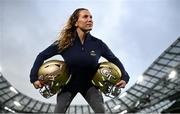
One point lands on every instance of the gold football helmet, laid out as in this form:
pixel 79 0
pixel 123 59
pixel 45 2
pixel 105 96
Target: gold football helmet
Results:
pixel 53 75
pixel 106 77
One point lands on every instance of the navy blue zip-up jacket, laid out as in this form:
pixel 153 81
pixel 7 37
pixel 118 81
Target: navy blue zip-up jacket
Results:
pixel 81 59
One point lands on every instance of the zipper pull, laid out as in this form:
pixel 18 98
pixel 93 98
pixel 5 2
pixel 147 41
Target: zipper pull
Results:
pixel 82 48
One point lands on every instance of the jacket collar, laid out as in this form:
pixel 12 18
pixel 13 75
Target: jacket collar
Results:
pixel 88 36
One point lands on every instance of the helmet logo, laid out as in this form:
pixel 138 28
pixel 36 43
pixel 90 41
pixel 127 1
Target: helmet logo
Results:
pixel 107 73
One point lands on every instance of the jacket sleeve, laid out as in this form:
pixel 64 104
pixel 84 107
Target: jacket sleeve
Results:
pixel 42 56
pixel 107 53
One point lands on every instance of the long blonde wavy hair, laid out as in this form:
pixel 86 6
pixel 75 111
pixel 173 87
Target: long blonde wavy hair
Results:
pixel 68 33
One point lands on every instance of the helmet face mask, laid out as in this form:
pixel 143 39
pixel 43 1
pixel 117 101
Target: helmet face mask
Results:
pixel 47 91
pixel 112 91
pixel 106 77
pixel 53 75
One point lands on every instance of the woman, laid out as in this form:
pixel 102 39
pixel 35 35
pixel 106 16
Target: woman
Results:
pixel 81 52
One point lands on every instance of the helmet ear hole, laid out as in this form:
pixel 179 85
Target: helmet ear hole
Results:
pixel 54 75
pixel 106 77
pixel 46 66
pixel 57 65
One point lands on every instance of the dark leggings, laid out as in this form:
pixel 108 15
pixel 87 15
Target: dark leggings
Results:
pixel 93 96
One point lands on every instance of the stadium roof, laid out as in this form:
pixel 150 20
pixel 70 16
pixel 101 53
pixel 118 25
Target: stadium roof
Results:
pixel 156 90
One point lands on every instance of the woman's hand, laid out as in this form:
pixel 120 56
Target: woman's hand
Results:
pixel 121 84
pixel 37 84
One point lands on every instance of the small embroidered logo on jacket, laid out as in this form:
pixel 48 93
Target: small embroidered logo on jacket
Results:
pixel 93 53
